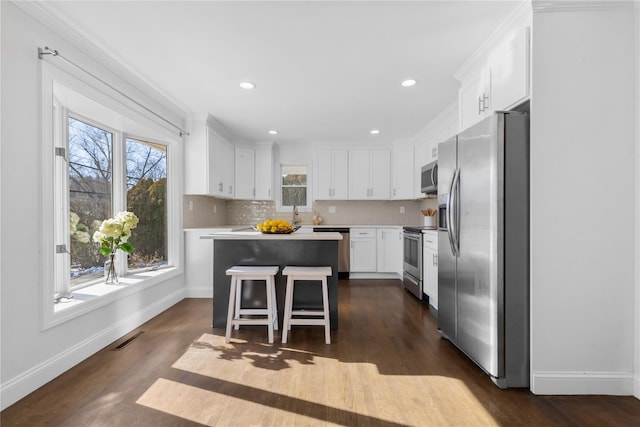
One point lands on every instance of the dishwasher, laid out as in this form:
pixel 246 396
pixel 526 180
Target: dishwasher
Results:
pixel 344 263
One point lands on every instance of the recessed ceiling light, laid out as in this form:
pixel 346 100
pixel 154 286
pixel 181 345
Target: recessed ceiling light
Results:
pixel 247 85
pixel 273 132
pixel 374 131
pixel 409 83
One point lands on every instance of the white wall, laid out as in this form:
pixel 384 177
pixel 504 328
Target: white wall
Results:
pixel 30 356
pixel 583 200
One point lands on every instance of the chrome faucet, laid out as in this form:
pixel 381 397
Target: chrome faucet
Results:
pixel 294 219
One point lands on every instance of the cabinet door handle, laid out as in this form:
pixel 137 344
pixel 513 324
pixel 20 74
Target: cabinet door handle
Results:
pixel 485 102
pixel 480 107
pixel 220 187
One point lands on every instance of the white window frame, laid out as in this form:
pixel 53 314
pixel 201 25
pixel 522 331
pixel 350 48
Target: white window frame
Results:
pixel 136 124
pixel 306 208
pixel 62 287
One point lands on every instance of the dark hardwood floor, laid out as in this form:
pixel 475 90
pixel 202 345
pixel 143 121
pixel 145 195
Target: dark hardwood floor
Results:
pixel 386 366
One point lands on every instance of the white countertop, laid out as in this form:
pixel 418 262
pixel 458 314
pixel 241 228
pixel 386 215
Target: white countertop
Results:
pixel 256 235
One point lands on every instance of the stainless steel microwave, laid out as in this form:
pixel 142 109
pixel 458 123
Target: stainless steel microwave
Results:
pixel 429 178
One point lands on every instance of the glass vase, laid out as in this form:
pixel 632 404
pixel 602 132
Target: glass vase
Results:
pixel 110 275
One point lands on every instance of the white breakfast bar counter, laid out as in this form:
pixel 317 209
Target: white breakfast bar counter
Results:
pixel 254 248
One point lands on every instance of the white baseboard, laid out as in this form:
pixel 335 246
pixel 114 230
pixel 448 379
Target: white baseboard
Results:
pixel 636 385
pixel 199 292
pixel 607 383
pixel 18 387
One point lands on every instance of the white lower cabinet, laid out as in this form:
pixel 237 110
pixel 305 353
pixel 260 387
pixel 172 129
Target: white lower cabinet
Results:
pixel 363 250
pixel 376 250
pixel 198 263
pixel 430 266
pixel 389 243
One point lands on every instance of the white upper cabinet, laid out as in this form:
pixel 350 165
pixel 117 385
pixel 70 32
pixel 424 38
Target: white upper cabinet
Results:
pixel 332 175
pixel 223 159
pixel 264 171
pixel 403 172
pixel 245 173
pixel 209 157
pixel 497 76
pixel 369 174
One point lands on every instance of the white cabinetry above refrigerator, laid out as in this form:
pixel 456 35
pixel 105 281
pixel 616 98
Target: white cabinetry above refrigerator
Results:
pixel 497 76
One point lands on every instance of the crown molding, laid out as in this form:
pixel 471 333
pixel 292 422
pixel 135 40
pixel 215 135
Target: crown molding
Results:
pixel 552 6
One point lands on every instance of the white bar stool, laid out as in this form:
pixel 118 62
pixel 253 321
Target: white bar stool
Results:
pixel 306 273
pixel 238 274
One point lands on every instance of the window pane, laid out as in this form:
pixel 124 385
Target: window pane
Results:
pixel 146 197
pixel 294 175
pixel 90 186
pixel 294 196
pixel 294 185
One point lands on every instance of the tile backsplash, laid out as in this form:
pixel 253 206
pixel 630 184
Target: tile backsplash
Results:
pixel 207 211
pixel 203 211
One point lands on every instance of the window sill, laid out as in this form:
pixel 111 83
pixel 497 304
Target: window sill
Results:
pixel 98 295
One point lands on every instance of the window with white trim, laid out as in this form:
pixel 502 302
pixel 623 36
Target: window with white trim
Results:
pixel 104 158
pixel 294 186
pixel 102 173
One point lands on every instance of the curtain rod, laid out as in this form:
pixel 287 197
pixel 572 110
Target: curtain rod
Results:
pixel 53 52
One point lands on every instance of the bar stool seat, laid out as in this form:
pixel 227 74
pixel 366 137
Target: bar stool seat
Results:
pixel 306 317
pixel 238 274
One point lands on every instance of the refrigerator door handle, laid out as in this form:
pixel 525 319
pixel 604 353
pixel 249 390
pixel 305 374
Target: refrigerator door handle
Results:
pixel 454 216
pixel 449 214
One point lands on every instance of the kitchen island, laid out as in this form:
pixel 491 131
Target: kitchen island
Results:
pixel 254 248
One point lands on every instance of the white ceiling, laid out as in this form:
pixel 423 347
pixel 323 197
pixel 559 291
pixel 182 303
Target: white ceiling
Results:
pixel 326 71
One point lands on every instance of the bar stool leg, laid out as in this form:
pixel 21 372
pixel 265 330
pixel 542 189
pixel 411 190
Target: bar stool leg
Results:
pixel 269 286
pixel 288 303
pixel 230 311
pixel 238 302
pixel 325 304
pixel 274 300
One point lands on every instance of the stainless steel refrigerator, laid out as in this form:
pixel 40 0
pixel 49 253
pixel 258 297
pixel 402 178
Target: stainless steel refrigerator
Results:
pixel 483 245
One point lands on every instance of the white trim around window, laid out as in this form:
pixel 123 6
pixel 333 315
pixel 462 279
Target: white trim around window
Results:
pixel 103 107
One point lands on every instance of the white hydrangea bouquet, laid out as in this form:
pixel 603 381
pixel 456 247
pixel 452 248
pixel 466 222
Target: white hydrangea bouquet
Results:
pixel 114 233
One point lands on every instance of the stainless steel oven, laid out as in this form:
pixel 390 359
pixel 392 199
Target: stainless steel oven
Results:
pixel 412 260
